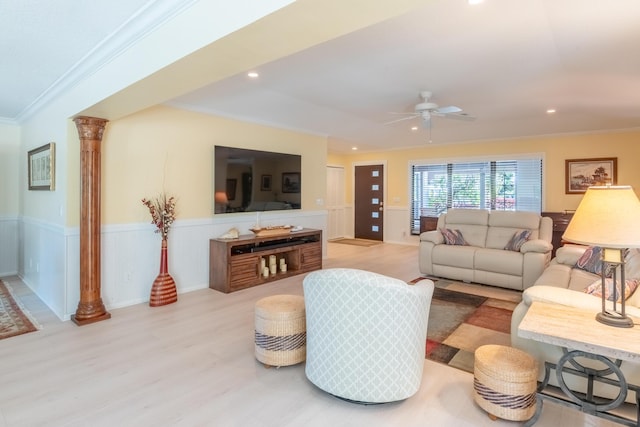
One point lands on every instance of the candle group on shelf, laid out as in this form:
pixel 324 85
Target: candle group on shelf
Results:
pixel 272 268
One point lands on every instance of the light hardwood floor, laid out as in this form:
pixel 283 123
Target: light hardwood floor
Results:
pixel 191 364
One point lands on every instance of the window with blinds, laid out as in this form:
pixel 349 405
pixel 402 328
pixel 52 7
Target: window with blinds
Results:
pixel 494 185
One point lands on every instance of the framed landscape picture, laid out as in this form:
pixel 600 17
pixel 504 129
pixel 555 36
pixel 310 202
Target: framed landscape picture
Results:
pixel 581 174
pixel 291 182
pixel 41 167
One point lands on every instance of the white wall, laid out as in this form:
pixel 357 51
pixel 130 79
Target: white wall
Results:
pixel 9 197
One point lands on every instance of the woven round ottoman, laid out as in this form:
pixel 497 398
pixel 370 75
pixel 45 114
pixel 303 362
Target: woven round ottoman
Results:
pixel 280 330
pixel 505 382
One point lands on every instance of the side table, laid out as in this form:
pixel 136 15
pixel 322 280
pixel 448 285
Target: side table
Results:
pixel 582 337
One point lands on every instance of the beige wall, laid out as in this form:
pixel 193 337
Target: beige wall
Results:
pixel 623 145
pixel 171 150
pixel 9 169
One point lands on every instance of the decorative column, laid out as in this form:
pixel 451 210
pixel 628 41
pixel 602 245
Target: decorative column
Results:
pixel 90 308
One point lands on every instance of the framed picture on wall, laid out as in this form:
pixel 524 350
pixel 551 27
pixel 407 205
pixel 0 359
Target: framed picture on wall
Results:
pixel 41 167
pixel 581 174
pixel 291 182
pixel 265 183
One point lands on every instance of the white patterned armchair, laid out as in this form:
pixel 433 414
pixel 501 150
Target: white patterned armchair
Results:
pixel 366 334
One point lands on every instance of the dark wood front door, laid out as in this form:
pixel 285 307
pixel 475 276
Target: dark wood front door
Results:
pixel 368 202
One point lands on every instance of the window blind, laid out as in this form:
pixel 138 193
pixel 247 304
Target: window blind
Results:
pixel 495 185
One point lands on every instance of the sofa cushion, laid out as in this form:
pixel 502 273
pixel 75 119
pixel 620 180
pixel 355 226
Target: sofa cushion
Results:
pixel 595 289
pixel 515 219
pixel 455 256
pixel 453 237
pixel 471 222
pixel 517 240
pixel 499 261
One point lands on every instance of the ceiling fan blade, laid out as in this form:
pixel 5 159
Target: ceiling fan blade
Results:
pixel 448 110
pixel 460 116
pixel 412 116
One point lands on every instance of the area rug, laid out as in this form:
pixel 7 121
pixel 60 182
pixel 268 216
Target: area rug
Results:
pixel 13 319
pixel 356 242
pixel 461 322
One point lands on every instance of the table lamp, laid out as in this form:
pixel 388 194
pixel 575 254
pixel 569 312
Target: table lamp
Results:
pixel 220 197
pixel 609 217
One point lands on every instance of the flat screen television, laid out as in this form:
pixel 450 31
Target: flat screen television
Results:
pixel 253 180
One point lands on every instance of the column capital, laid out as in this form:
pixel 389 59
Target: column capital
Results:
pixel 90 127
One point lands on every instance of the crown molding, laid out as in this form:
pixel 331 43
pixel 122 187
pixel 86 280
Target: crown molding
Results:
pixel 148 18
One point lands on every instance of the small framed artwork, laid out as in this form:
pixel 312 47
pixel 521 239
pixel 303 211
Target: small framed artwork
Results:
pixel 231 188
pixel 581 174
pixel 291 182
pixel 265 183
pixel 42 167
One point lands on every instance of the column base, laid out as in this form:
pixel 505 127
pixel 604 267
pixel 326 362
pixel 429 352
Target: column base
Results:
pixel 82 322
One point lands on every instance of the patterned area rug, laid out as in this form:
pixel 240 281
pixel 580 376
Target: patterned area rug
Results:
pixel 461 322
pixel 13 320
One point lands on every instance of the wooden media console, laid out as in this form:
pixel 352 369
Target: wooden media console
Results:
pixel 236 264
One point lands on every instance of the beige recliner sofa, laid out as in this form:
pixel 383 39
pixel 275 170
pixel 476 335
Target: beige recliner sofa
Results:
pixel 564 284
pixel 485 259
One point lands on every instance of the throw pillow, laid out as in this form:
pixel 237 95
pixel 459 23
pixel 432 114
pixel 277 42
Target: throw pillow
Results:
pixel 453 237
pixel 595 288
pixel 517 240
pixel 591 261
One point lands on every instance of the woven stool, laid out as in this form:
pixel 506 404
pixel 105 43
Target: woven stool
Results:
pixel 280 330
pixel 505 382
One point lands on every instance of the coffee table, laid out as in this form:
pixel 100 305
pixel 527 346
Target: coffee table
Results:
pixel 582 337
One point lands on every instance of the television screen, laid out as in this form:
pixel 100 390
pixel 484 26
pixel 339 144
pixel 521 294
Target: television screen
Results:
pixel 253 180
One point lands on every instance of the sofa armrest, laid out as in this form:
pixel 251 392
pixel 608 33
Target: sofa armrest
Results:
pixel 569 254
pixel 568 297
pixel 536 245
pixel 433 236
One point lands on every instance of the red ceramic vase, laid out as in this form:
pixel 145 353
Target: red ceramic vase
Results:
pixel 163 290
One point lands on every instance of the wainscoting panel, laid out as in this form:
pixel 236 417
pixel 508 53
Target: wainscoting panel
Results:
pixel 42 266
pixel 47 256
pixel 131 254
pixel 397 226
pixel 8 246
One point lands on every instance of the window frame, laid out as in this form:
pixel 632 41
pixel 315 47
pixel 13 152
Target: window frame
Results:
pixel 448 165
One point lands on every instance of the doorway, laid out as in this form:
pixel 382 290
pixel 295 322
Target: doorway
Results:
pixel 335 202
pixel 369 202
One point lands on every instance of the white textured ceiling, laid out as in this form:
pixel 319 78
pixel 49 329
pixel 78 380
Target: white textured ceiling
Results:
pixel 41 42
pixel 503 61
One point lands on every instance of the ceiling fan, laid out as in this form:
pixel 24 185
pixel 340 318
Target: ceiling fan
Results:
pixel 426 109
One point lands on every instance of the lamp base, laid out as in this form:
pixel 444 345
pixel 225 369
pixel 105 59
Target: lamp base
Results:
pixel 615 319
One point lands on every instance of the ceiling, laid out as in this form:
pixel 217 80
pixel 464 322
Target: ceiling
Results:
pixel 503 61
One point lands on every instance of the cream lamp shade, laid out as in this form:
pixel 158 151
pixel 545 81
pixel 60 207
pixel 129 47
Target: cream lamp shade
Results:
pixel 608 216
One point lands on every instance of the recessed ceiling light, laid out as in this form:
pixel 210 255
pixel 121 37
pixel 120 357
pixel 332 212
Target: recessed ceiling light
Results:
pixel 472 2
pixel 414 128
pixel 252 74
pixel 354 148
pixel 551 110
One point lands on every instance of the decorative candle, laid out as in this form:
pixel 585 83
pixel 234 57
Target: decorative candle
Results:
pixel 265 272
pixel 272 260
pixel 283 268
pixel 281 262
pixel 263 263
pixel 273 268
